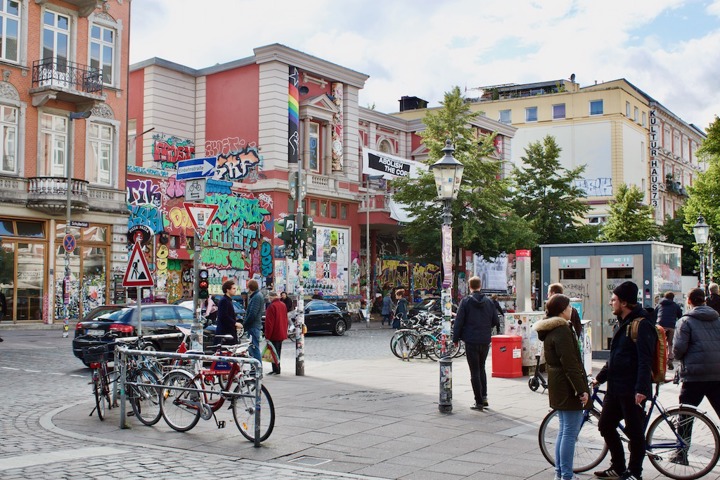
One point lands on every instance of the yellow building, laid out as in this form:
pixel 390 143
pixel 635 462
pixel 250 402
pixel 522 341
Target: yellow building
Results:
pixel 607 128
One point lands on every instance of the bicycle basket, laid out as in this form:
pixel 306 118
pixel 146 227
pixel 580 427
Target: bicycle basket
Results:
pixel 99 353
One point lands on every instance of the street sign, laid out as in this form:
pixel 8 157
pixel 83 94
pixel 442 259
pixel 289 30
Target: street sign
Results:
pixel 201 214
pixel 77 223
pixel 69 243
pixel 196 168
pixel 137 273
pixel 195 190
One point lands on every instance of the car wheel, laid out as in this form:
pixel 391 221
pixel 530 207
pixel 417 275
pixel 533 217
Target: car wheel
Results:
pixel 340 328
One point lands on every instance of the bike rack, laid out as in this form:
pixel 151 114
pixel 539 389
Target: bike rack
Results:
pixel 123 352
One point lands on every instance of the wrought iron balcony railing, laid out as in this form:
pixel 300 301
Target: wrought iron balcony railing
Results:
pixel 62 74
pixel 49 194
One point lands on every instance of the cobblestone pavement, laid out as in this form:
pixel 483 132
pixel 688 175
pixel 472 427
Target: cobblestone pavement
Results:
pixel 39 374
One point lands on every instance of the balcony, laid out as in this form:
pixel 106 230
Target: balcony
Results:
pixel 85 7
pixel 66 81
pixel 49 195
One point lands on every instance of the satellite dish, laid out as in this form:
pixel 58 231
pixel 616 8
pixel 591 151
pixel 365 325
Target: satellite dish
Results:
pixel 572 78
pixel 304 90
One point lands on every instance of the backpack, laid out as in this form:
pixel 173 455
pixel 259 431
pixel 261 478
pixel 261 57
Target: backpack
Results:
pixel 659 363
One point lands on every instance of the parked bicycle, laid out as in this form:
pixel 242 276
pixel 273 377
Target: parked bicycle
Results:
pixel 187 396
pixel 97 357
pixel 681 441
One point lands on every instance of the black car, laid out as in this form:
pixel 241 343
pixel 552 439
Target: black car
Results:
pixel 322 316
pixel 430 304
pixel 156 319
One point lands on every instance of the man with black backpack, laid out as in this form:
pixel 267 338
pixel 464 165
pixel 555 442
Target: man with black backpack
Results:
pixel 628 372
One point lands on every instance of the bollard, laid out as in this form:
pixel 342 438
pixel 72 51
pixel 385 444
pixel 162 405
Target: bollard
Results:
pixel 445 403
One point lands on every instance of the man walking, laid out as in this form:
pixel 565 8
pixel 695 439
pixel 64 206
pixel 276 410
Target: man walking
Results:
pixel 276 326
pixel 713 300
pixel 387 308
pixel 475 320
pixel 226 319
pixel 668 313
pixel 628 372
pixel 253 318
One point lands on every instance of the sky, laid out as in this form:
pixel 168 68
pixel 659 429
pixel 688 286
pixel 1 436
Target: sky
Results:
pixel 670 49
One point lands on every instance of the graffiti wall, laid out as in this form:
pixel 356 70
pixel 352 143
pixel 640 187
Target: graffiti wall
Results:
pixel 237 159
pixel 168 150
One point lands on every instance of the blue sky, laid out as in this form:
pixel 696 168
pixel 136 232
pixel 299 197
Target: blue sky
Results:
pixel 668 48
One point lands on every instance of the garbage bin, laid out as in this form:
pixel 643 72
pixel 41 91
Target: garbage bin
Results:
pixel 507 356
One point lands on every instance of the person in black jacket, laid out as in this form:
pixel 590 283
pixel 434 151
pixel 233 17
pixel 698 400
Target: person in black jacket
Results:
pixel 475 319
pixel 713 300
pixel 628 373
pixel 226 318
pixel 668 313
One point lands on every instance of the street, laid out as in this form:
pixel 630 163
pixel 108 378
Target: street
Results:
pixel 358 413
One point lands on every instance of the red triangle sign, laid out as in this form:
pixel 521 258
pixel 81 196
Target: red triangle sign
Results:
pixel 201 214
pixel 137 273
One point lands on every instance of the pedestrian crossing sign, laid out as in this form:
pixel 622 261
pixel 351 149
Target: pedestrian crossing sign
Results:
pixel 137 273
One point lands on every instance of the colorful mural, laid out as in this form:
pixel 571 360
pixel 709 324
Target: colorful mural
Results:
pixel 237 160
pixel 169 150
pixel 337 129
pixel 293 115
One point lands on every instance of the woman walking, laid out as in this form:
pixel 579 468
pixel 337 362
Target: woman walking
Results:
pixel 400 308
pixel 568 385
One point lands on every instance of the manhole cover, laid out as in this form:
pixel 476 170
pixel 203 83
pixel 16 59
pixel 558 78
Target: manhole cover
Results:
pixel 309 461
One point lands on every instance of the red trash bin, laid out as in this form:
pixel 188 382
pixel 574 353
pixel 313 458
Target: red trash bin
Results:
pixel 507 356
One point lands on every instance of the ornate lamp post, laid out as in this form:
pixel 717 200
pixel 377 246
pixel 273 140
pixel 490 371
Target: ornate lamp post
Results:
pixel 701 230
pixel 448 176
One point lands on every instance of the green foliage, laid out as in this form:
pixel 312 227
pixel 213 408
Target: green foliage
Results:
pixel 547 198
pixel 629 220
pixel 674 231
pixel 705 192
pixel 483 220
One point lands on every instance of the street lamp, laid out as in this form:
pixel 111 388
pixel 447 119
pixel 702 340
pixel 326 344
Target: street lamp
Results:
pixel 701 230
pixel 68 209
pixel 448 176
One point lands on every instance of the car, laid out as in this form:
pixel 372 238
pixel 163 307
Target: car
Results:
pixel 322 316
pixel 431 305
pixel 156 319
pixel 237 306
pixel 101 310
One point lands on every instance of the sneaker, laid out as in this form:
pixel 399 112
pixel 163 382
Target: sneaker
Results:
pixel 679 457
pixel 477 407
pixel 630 476
pixel 610 473
pixel 670 365
pixel 485 402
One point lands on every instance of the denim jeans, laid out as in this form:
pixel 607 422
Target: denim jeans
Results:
pixel 254 334
pixel 570 421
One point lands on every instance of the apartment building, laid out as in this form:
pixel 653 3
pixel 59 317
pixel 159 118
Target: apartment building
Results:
pixel 63 116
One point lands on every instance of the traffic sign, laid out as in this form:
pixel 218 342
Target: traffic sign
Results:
pixel 69 243
pixel 201 214
pixel 195 190
pixel 137 273
pixel 196 168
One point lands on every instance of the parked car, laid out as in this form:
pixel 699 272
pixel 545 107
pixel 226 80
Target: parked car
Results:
pixel 239 310
pixel 156 319
pixel 322 316
pixel 431 305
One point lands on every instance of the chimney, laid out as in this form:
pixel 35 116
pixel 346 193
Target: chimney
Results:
pixel 412 103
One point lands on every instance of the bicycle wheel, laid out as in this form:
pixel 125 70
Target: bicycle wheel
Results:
pixel 405 344
pixel 180 408
pixel 243 409
pixel 683 444
pixel 450 349
pixel 97 392
pixel 102 392
pixel 145 397
pixel 590 448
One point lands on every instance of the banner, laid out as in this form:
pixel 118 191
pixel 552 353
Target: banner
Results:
pixel 447 255
pixel 390 166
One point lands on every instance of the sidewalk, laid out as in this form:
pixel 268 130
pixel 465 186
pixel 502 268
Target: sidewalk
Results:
pixel 376 418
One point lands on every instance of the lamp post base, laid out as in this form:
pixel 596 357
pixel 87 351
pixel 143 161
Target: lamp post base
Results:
pixel 445 403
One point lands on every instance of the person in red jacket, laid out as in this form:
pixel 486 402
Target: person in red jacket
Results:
pixel 276 326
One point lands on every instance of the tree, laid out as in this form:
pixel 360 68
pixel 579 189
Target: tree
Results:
pixel 483 220
pixel 673 231
pixel 705 192
pixel 629 220
pixel 547 197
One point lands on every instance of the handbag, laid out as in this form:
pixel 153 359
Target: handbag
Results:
pixel 269 354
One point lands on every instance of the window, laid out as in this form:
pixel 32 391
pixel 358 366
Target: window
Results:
pixel 644 119
pixel 100 153
pixel 313 207
pixel 343 212
pixel 636 114
pixel 53 141
pixel 314 144
pixel 56 39
pixel 386 147
pixel 102 52
pixel 558 111
pixel 9 30
pixel 531 114
pixel 333 210
pixel 323 208
pixel 505 116
pixel 8 147
pixel 627 109
pixel 596 107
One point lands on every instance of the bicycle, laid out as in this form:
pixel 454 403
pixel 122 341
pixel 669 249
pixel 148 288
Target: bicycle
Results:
pixel 681 442
pixel 97 357
pixel 142 377
pixel 188 396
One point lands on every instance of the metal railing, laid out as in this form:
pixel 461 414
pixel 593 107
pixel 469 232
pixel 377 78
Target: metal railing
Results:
pixel 51 72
